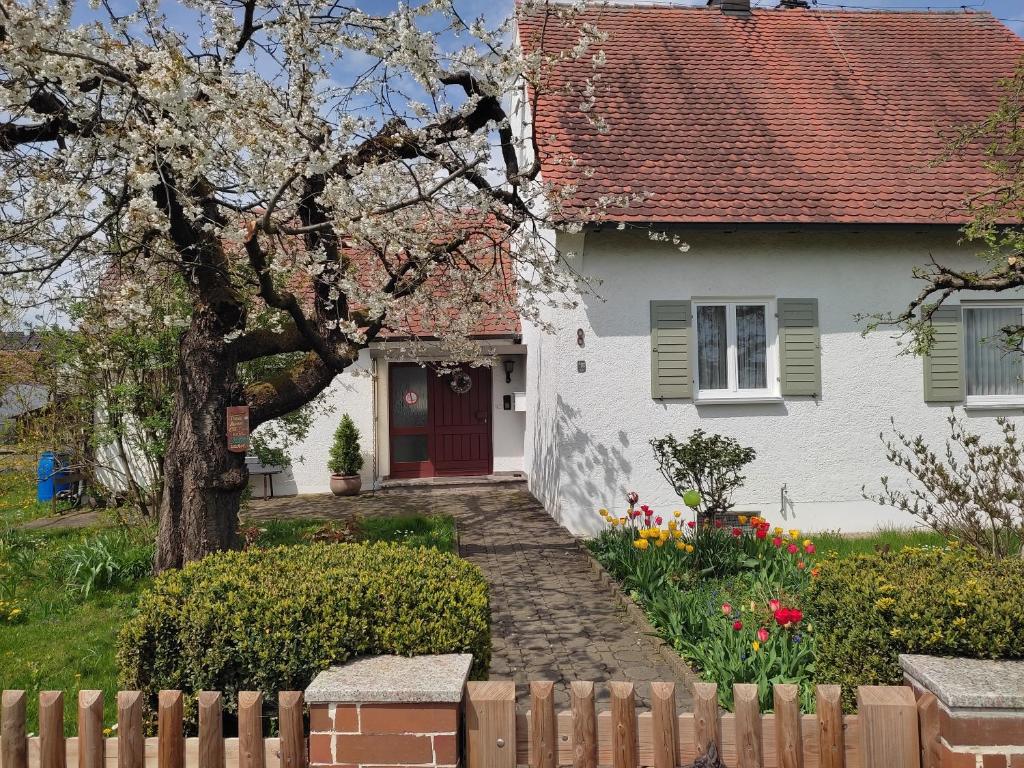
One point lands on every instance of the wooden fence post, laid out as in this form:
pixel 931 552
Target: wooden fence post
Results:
pixel 584 725
pixel 250 730
pixel 928 718
pixel 705 717
pixel 211 730
pixel 491 724
pixel 889 735
pixel 131 741
pixel 13 741
pixel 52 751
pixel 293 737
pixel 170 730
pixel 91 744
pixel 748 726
pixel 789 743
pixel 543 727
pixel 665 725
pixel 831 737
pixel 625 750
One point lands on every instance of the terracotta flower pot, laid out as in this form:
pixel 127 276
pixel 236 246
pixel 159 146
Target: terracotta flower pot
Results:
pixel 346 485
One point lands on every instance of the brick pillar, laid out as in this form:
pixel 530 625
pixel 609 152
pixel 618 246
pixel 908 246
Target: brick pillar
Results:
pixel 980 707
pixel 386 711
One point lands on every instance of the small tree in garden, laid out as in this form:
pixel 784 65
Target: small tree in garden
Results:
pixel 972 491
pixel 710 464
pixel 345 457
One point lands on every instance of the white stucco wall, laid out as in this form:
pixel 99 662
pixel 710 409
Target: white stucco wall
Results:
pixel 587 433
pixel 351 393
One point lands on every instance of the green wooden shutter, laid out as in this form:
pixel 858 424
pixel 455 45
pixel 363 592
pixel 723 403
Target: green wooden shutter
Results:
pixel 670 350
pixel 944 363
pixel 799 347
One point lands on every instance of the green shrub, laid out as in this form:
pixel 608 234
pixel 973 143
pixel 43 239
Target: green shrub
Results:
pixel 345 457
pixel 868 609
pixel 271 619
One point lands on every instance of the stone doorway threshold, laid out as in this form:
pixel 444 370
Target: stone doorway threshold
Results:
pixel 503 479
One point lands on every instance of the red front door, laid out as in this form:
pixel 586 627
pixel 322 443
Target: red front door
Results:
pixel 437 428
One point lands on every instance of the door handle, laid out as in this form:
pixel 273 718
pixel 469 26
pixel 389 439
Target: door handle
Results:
pixel 481 416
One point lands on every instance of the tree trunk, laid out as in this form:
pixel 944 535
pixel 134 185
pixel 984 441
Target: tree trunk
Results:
pixel 203 480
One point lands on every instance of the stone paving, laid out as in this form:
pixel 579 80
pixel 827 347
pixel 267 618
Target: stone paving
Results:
pixel 551 617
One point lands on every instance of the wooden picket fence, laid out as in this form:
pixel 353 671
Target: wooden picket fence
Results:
pixel 885 732
pixel 130 748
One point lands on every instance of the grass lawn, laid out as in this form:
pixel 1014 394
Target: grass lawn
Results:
pixel 881 540
pixel 18 491
pixel 70 591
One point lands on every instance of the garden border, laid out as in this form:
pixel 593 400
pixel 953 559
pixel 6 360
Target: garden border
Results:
pixel 639 619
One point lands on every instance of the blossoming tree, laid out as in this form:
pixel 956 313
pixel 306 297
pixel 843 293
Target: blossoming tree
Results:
pixel 310 174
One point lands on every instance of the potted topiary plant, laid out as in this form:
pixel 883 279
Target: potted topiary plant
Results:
pixel 345 459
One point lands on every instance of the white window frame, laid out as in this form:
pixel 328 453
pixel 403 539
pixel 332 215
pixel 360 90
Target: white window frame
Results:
pixel 733 393
pixel 989 401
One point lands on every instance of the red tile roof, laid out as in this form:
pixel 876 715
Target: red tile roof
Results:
pixel 785 116
pixel 491 278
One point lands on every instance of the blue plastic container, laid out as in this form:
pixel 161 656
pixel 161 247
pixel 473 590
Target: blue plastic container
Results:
pixel 51 476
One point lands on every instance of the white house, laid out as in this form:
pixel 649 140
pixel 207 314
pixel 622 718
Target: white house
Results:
pixel 792 150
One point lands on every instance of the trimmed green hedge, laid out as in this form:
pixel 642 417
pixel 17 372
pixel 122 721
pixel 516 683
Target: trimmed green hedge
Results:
pixel 271 619
pixel 868 609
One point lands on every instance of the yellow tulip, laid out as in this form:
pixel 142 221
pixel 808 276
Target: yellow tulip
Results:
pixel 778 531
pixel 640 543
pixel 794 533
pixel 680 545
pixel 689 547
pixel 677 513
pixel 603 512
pixel 742 519
pixel 756 646
pixel 659 542
pixel 807 542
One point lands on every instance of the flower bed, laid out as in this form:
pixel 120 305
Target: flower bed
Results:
pixel 728 598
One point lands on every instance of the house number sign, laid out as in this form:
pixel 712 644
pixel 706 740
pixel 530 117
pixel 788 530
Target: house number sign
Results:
pixel 238 428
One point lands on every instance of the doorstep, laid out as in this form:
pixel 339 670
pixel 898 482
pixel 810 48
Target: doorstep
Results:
pixel 503 479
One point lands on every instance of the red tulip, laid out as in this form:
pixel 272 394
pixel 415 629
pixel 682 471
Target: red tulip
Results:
pixel 737 532
pixel 792 549
pixel 691 524
pixel 762 635
pixel 737 625
pixel 774 605
pixel 809 549
pixel 657 520
pixel 777 542
pixel 761 533
pixel 718 523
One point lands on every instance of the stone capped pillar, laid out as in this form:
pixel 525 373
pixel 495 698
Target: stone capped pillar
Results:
pixel 382 711
pixel 980 708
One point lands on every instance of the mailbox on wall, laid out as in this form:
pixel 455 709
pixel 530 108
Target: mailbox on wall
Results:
pixel 519 401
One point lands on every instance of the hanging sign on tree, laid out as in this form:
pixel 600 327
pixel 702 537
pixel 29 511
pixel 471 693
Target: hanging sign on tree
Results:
pixel 238 428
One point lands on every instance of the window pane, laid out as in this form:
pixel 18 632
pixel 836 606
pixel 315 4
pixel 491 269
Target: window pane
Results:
pixel 751 347
pixel 991 369
pixel 408 396
pixel 712 348
pixel 409 448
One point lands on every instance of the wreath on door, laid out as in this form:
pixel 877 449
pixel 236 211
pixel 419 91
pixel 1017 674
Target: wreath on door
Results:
pixel 460 382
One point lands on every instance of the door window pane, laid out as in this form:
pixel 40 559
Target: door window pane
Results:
pixel 712 348
pixel 408 448
pixel 751 347
pixel 991 368
pixel 408 396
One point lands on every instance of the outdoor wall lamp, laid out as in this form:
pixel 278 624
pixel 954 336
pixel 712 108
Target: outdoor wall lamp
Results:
pixel 510 365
